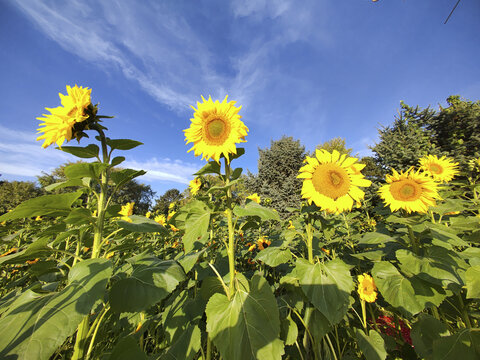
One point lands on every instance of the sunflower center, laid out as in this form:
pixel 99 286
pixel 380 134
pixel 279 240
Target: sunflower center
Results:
pixel 436 169
pixel 406 190
pixel 216 131
pixel 331 180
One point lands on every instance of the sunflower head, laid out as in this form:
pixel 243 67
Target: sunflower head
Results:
pixel 441 170
pixel 410 191
pixel 254 197
pixel 215 129
pixel 366 288
pixel 160 219
pixel 195 185
pixel 126 211
pixel 332 181
pixel 263 243
pixel 69 120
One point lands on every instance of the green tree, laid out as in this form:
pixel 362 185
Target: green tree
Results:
pixel 277 174
pixel 408 139
pixel 13 193
pixel 163 202
pixel 336 143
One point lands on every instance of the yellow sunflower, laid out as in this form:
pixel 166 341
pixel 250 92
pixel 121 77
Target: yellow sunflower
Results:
pixel 195 185
pixel 160 219
pixel 215 129
pixel 367 289
pixel 126 211
pixel 410 190
pixel 59 125
pixel 331 181
pixel 263 243
pixel 442 170
pixel 254 197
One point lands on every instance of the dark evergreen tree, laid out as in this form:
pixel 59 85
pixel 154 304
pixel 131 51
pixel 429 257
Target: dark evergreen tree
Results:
pixel 13 193
pixel 164 201
pixel 277 174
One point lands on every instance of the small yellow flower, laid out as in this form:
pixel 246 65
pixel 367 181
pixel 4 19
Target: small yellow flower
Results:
pixel 171 205
pixel 175 244
pixel 195 185
pixel 252 247
pixel 290 225
pixel 174 229
pixel 31 262
pixel 11 251
pixel 126 211
pixel 59 126
pixel 254 197
pixel 366 288
pixel 263 243
pixel 148 214
pixel 170 215
pixel 38 218
pixel 326 251
pixel 110 254
pixel 160 219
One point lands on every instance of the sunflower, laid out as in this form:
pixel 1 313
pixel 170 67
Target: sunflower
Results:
pixel 215 129
pixel 59 125
pixel 331 181
pixel 195 185
pixel 410 190
pixel 366 288
pixel 442 170
pixel 254 197
pixel 263 243
pixel 160 219
pixel 126 211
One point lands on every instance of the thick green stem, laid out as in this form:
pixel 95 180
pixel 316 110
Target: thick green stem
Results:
pixel 79 347
pixel 465 316
pixel 231 232
pixel 209 348
pixel 364 316
pixel 413 240
pixel 310 242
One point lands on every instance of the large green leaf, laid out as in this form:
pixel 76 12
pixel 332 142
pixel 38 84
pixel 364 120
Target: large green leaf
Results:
pixel 150 282
pixel 247 326
pixel 372 345
pixel 254 209
pixel 212 167
pixel 37 324
pixel 121 177
pixel 327 286
pixel 274 256
pixel 128 349
pixel 464 345
pixel 196 225
pixel 375 238
pixel 185 346
pixel 395 288
pixel 142 224
pixel 123 144
pixel 289 331
pixel 46 205
pixel 87 152
pixel 424 332
pixel 446 234
pixel 472 279
pixel 81 170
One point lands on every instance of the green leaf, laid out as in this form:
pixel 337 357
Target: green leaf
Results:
pixel 142 224
pixel 37 324
pixel 81 170
pixel 46 205
pixel 443 233
pixel 239 152
pixel 196 225
pixel 36 249
pixel 150 282
pixel 86 152
pixel 128 349
pixel 121 177
pixel 79 216
pixel 464 345
pixel 248 326
pixel 212 167
pixel 424 332
pixel 472 279
pixel 274 256
pixel 236 173
pixel 223 187
pixel 449 205
pixel 372 345
pixel 117 160
pixel 374 238
pixel 289 331
pixel 254 209
pixel 189 260
pixel 327 286
pixel 395 288
pixel 123 144
pixel 184 346
pixel 63 184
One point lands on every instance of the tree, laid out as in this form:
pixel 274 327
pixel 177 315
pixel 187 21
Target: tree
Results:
pixel 338 144
pixel 277 174
pixel 163 202
pixel 407 140
pixel 13 193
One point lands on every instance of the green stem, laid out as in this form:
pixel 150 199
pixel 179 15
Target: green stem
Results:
pixel 96 326
pixel 231 232
pixel 465 316
pixel 310 241
pixel 332 349
pixel 364 316
pixel 79 347
pixel 209 348
pixel 413 240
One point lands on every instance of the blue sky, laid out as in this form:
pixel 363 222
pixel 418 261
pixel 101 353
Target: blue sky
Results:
pixel 312 69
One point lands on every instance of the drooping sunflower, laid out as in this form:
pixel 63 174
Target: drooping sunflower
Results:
pixel 442 170
pixel 367 290
pixel 195 185
pixel 215 129
pixel 59 125
pixel 410 190
pixel 331 182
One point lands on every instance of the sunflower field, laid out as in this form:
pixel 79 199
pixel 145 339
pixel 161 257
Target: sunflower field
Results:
pixel 224 277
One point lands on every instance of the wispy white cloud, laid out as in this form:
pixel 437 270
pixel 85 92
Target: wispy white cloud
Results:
pixel 164 170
